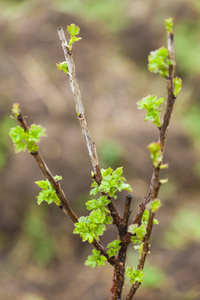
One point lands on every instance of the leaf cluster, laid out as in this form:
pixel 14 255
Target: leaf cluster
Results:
pixel 73 30
pixel 112 181
pixel 48 193
pixel 159 62
pixel 95 259
pixel 134 275
pixel 169 25
pixel 113 247
pixel 139 232
pixel 26 139
pixel 151 104
pixel 94 225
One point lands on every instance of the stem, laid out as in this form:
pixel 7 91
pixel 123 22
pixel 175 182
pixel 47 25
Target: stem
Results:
pixel 82 119
pixel 119 270
pixel 163 130
pixel 154 186
pixel 59 192
pixel 79 105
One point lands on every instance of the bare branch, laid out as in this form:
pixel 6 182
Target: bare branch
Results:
pixel 82 119
pixel 79 105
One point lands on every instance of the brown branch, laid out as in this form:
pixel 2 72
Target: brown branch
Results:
pixel 59 192
pixel 82 119
pixel 119 270
pixel 154 186
pixel 145 251
pixel 79 105
pixel 163 130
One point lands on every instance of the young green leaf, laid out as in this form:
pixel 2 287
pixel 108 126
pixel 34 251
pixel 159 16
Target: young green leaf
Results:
pixel 155 205
pixel 95 259
pixel 134 275
pixel 151 104
pixel 35 132
pixel 113 247
pixel 88 230
pixel 169 25
pixel 156 155
pixel 140 232
pixel 15 109
pixel 132 228
pixel 63 66
pixel 177 85
pixel 26 139
pixel 48 194
pixel 158 61
pixel 73 29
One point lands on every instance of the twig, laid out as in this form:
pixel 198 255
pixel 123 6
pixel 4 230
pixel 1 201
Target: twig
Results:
pixel 163 130
pixel 60 193
pixel 82 119
pixel 119 270
pixel 154 186
pixel 79 105
pixel 145 251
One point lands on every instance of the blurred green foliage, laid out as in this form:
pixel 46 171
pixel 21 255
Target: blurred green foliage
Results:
pixel 110 153
pixel 5 144
pixel 192 122
pixel 38 235
pixel 110 13
pixel 154 276
pixel 184 228
pixel 188 46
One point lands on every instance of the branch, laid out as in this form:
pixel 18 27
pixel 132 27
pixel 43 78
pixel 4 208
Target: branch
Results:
pixel 154 186
pixel 79 105
pixel 145 251
pixel 119 270
pixel 59 192
pixel 82 119
pixel 163 130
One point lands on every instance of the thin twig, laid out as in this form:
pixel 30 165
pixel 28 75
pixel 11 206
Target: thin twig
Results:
pixel 164 128
pixel 79 105
pixel 154 186
pixel 82 119
pixel 65 206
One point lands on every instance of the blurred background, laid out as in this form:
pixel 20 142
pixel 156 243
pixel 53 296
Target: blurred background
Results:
pixel 40 258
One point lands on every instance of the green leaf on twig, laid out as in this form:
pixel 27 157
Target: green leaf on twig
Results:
pixel 151 104
pixel 88 230
pixel 113 247
pixel 112 181
pixel 73 31
pixel 15 109
pixel 158 61
pixel 155 205
pixel 63 66
pixel 134 275
pixel 156 155
pixel 169 25
pixel 26 139
pixel 95 259
pixel 48 193
pixel 177 85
